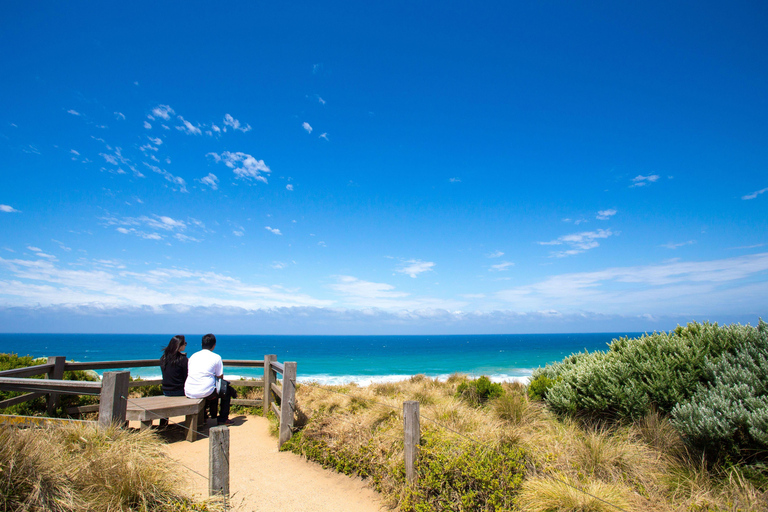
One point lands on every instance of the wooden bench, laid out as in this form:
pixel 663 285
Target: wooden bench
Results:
pixel 155 407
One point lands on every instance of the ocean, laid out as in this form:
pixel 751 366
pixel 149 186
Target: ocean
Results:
pixel 334 359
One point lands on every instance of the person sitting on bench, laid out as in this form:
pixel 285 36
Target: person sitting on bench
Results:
pixel 173 365
pixel 205 368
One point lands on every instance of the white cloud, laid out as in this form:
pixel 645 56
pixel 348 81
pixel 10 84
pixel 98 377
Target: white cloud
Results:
pixel 74 112
pixel 147 125
pixel 40 281
pixel 289 187
pixel 353 286
pixel 499 267
pixel 61 245
pixel 74 152
pixel 243 165
pixel 211 180
pixel 641 181
pixel 234 123
pixel 678 245
pixel 156 141
pixel 307 127
pixel 324 136
pixel 175 180
pixel 163 112
pixel 238 232
pixel 415 267
pixel 279 265
pixel 188 127
pixel 34 249
pixel 119 116
pixel 455 180
pixel 496 254
pixel 321 100
pixel 273 230
pixel 753 195
pixel 605 214
pixel 8 209
pixel 579 242
pixel 731 284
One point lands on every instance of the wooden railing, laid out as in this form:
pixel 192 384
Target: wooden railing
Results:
pixel 110 408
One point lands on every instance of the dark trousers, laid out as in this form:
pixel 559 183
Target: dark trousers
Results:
pixel 212 403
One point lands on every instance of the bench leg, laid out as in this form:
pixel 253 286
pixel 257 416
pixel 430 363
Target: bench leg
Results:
pixel 145 424
pixel 191 422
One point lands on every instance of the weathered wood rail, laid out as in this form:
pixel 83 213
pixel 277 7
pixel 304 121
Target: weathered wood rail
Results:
pixel 114 386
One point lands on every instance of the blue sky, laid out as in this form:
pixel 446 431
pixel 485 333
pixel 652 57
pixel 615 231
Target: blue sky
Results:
pixel 402 167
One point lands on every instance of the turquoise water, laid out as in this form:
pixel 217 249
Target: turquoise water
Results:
pixel 335 359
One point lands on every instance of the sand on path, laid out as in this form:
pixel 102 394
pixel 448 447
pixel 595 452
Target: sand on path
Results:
pixel 261 478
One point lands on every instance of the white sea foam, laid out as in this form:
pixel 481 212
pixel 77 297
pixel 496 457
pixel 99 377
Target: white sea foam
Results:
pixel 367 380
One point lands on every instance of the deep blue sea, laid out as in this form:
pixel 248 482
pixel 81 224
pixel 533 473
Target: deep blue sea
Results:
pixel 335 359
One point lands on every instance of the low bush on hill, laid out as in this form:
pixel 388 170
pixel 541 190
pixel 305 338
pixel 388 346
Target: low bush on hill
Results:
pixel 37 406
pixel 712 380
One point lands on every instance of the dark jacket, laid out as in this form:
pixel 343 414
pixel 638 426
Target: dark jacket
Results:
pixel 174 376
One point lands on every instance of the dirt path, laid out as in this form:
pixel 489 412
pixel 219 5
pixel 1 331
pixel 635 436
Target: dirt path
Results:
pixel 261 478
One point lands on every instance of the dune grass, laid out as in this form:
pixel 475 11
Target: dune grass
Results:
pixel 509 453
pixel 81 467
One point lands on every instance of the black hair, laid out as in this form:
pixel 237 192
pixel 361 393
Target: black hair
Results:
pixel 171 353
pixel 209 341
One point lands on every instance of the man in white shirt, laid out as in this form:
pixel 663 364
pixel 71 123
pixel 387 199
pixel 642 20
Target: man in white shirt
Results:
pixel 204 368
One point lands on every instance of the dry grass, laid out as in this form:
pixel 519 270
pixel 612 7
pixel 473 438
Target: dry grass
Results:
pixel 642 467
pixel 84 468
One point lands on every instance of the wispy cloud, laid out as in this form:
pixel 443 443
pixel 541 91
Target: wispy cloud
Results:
pixel 273 230
pixel 496 254
pixel 641 181
pixel 306 126
pixel 324 136
pixel 41 281
pixel 188 127
pixel 74 112
pixel 754 194
pixel 605 214
pixel 8 209
pixel 243 165
pixel 415 267
pixel 211 180
pixel 320 100
pixel 234 123
pixel 672 245
pixel 147 125
pixel 455 180
pixel 671 288
pixel 175 180
pixel 61 245
pixel 579 242
pixel 500 267
pixel 119 116
pixel 289 187
pixel 163 112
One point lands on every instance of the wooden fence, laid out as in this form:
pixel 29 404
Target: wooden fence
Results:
pixel 112 406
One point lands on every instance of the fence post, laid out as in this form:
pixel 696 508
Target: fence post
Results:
pixel 112 405
pixel 218 461
pixel 269 379
pixel 412 432
pixel 57 372
pixel 288 402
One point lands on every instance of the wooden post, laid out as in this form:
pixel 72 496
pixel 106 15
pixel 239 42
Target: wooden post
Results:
pixel 113 405
pixel 218 461
pixel 412 432
pixel 57 372
pixel 288 402
pixel 269 379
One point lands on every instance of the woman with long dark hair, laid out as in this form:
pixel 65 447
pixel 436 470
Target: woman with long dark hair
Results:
pixel 173 364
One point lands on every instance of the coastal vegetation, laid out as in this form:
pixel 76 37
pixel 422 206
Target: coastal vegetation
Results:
pixel 663 422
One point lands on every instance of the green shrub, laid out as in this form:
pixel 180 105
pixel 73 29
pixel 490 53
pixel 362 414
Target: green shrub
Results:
pixel 729 411
pixel 479 391
pixel 461 475
pixel 538 387
pixel 38 406
pixel 654 371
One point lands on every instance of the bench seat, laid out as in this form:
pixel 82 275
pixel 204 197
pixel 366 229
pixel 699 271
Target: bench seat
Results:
pixel 150 408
